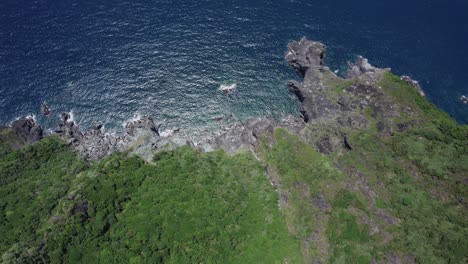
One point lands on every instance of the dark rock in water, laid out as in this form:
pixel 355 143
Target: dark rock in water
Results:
pixel 27 131
pixel 464 99
pixel 227 89
pixel 64 117
pixel 45 109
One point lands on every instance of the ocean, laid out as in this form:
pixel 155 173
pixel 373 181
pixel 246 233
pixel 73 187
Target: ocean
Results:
pixel 107 61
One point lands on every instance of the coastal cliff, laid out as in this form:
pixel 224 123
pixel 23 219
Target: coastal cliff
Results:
pixel 370 172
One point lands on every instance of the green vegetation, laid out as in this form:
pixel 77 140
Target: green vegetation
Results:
pixel 398 195
pixel 318 202
pixel 406 95
pixel 187 207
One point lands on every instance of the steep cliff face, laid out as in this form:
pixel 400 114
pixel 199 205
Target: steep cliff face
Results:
pixel 339 105
pixel 391 172
pixel 370 173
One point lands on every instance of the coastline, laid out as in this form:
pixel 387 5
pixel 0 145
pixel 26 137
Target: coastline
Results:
pixel 141 135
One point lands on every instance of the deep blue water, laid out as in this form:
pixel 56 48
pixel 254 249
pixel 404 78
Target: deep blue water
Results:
pixel 107 60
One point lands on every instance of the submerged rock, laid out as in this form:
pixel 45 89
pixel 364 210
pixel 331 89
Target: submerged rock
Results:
pixel 45 109
pixel 227 89
pixel 464 99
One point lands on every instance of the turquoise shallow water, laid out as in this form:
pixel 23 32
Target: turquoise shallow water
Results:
pixel 108 61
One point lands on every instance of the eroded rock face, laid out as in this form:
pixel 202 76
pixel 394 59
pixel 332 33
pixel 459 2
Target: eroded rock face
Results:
pixel 140 136
pixel 305 55
pixel 27 131
pixel 360 67
pixel 21 132
pixel 338 103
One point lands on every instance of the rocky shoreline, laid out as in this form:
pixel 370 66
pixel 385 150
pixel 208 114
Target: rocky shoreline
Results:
pixel 334 114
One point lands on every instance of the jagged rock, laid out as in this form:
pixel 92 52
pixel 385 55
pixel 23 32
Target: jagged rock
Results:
pixel 295 88
pixel 307 58
pixel 97 127
pixel 305 54
pixel 144 123
pixel 45 109
pixel 26 130
pixel 67 129
pixel 464 99
pixel 360 67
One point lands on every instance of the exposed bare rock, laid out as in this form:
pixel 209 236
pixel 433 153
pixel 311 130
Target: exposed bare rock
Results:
pixel 360 67
pixel 27 129
pixel 305 55
pixel 45 109
pixel 413 83
pixel 295 87
pixel 23 131
pixel 140 136
pixel 464 99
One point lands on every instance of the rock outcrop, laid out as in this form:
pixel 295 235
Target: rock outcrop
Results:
pixel 334 104
pixel 27 131
pixel 45 110
pixel 21 132
pixel 305 55
pixel 140 136
pixel 360 67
